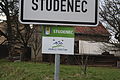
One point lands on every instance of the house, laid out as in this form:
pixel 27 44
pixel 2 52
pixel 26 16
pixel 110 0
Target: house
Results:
pixel 94 42
pixel 91 36
pixel 97 37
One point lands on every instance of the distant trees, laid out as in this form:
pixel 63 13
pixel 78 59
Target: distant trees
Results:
pixel 110 13
pixel 8 8
pixel 16 33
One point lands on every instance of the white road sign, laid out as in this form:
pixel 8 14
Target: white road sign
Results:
pixel 59 12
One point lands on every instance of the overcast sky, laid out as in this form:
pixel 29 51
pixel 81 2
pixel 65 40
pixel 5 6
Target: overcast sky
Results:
pixel 2 17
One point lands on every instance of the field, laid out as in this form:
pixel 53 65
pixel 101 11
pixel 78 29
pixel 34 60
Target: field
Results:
pixel 45 71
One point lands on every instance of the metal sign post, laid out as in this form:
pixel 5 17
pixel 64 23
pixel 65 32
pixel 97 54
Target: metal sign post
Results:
pixel 57 66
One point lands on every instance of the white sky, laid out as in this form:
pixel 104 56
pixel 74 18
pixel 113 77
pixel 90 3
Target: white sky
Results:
pixel 3 17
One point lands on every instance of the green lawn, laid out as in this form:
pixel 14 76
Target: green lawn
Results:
pixel 44 71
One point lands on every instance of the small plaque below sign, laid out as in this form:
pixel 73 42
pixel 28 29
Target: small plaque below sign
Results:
pixel 58 40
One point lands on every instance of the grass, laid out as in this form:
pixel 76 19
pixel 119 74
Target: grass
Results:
pixel 44 71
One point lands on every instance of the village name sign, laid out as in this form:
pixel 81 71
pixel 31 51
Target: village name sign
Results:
pixel 59 12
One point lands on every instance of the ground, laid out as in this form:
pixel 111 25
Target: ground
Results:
pixel 45 71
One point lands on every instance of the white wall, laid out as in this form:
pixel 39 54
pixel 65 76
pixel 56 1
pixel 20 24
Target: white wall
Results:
pixel 89 47
pixel 96 48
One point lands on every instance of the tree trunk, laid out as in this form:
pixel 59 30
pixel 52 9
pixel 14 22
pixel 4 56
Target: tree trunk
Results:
pixel 26 55
pixel 9 36
pixel 84 65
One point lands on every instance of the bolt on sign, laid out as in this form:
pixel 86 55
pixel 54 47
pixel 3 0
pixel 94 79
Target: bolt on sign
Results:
pixel 59 12
pixel 58 40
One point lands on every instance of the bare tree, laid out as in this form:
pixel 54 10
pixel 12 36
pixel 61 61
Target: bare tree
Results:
pixel 84 64
pixel 22 36
pixel 36 43
pixel 110 13
pixel 10 10
pixel 16 33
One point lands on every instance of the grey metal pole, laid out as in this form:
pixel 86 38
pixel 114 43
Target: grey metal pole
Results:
pixel 57 66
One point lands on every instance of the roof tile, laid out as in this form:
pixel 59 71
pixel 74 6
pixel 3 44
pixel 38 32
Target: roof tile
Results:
pixel 99 30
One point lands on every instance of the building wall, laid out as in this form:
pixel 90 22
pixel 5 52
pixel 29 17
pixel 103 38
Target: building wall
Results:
pixel 2 28
pixel 91 47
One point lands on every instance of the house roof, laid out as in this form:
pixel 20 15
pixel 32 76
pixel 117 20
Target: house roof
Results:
pixel 99 30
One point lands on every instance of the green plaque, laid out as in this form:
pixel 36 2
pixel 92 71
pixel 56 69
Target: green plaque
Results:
pixel 58 31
